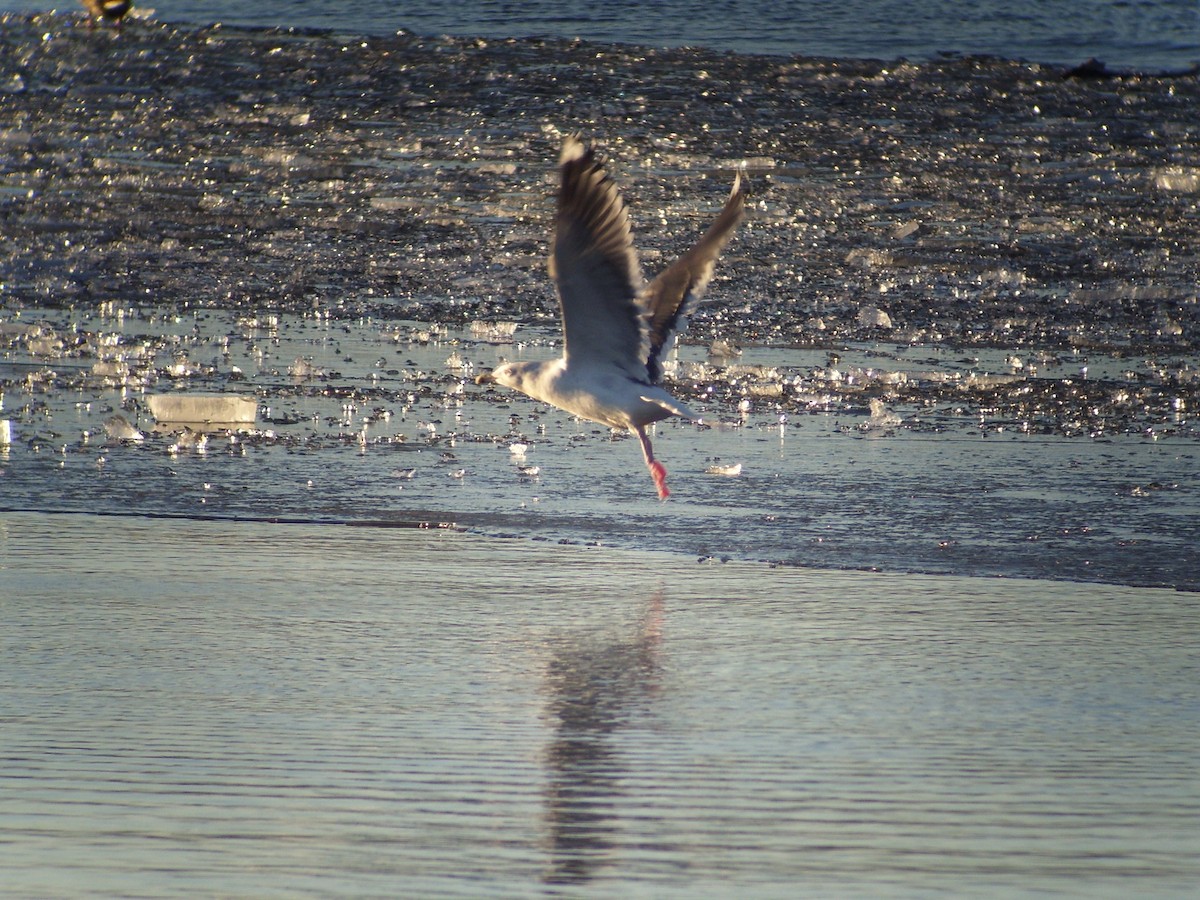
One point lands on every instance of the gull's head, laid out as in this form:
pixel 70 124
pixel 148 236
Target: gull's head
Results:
pixel 512 374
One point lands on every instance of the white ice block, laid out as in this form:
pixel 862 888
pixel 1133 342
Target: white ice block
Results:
pixel 203 410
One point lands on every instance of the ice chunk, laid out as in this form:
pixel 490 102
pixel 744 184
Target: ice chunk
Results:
pixel 303 369
pixel 45 343
pixel 881 417
pixel 203 411
pixel 501 332
pixel 730 471
pixel 868 257
pixel 110 368
pixel 457 362
pixel 1186 181
pixel 189 439
pixel 723 350
pixel 874 317
pixel 118 428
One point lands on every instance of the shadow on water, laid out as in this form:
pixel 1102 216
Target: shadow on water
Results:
pixel 595 685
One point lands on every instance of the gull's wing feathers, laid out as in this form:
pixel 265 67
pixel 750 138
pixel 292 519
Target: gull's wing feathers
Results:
pixel 595 268
pixel 670 297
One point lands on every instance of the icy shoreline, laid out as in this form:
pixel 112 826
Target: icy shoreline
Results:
pixel 967 203
pixel 976 202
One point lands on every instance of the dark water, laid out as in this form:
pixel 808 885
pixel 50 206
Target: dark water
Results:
pixel 1145 35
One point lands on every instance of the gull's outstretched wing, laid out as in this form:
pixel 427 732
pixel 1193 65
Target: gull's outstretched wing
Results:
pixel 670 297
pixel 595 268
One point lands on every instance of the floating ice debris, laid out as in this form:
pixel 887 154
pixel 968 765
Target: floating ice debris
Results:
pixel 17 331
pixel 1179 179
pixel 866 257
pixel 874 317
pixel 765 389
pixel 753 164
pixel 493 331
pixel 203 411
pixel 184 368
pixel 45 344
pixel 518 449
pixel 730 471
pixel 980 380
pixel 118 428
pixel 189 440
pixel 302 368
pixel 880 417
pixel 722 349
pixel 457 362
pixel 115 369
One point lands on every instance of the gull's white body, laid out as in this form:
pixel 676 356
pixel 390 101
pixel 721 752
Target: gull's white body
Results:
pixel 615 326
pixel 598 393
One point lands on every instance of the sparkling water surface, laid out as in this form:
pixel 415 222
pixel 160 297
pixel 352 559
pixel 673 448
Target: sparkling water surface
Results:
pixel 1151 34
pixel 380 423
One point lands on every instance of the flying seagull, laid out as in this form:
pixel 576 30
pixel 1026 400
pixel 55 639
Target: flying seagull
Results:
pixel 615 326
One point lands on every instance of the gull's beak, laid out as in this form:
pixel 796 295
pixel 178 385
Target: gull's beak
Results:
pixel 485 378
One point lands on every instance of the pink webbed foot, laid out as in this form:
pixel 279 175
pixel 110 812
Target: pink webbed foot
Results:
pixel 659 473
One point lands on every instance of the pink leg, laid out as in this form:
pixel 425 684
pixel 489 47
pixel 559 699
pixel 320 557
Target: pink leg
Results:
pixel 657 470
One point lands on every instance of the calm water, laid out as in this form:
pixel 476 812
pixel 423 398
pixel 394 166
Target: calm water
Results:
pixel 317 710
pixel 1163 34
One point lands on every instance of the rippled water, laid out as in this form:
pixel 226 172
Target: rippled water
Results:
pixel 380 422
pixel 1164 34
pixel 321 709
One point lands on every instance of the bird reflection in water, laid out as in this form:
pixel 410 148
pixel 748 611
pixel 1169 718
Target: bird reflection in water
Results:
pixel 596 685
